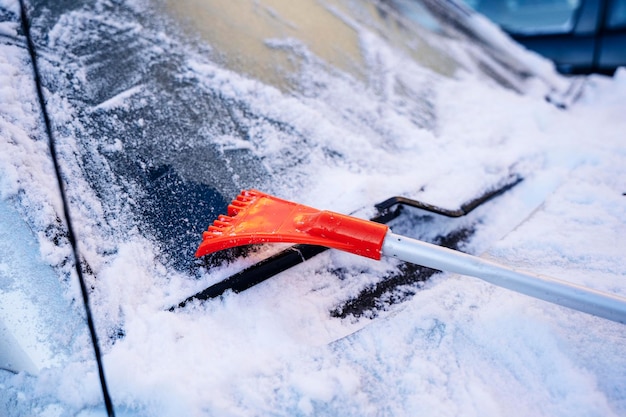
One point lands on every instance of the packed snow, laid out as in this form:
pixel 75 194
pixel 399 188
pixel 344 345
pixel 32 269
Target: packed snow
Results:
pixel 457 347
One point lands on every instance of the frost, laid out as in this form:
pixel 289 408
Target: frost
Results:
pixel 151 158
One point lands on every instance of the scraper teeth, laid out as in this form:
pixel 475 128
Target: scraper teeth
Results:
pixel 221 224
pixel 234 209
pixel 224 224
pixel 248 194
pixel 211 233
pixel 241 202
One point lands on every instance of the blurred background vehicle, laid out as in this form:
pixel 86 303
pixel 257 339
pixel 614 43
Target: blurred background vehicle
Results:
pixel 581 36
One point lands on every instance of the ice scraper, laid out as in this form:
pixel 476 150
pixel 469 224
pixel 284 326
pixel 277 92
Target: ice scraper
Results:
pixel 255 217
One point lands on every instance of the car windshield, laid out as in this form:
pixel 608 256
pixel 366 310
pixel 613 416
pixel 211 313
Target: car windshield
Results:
pixel 160 120
pixel 526 17
pixel 272 40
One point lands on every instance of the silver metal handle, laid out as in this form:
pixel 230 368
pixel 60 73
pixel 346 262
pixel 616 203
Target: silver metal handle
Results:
pixel 597 303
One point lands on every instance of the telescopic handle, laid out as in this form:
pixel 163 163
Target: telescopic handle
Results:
pixel 597 303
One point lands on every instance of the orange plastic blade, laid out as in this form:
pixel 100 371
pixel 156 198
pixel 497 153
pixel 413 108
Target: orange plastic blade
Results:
pixel 255 217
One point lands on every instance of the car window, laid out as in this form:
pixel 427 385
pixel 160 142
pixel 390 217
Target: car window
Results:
pixel 617 14
pixel 530 16
pixel 270 40
pixel 416 12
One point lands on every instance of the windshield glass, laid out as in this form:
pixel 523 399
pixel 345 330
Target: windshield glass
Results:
pixel 271 39
pixel 536 16
pixel 178 106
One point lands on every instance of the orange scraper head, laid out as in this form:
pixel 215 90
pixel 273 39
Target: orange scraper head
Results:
pixel 255 217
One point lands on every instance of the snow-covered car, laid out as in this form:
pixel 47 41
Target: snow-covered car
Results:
pixel 127 127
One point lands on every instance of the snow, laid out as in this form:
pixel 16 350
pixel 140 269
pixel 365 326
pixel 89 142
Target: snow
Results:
pixel 458 346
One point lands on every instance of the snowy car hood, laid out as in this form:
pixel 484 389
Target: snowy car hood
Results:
pixel 160 121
